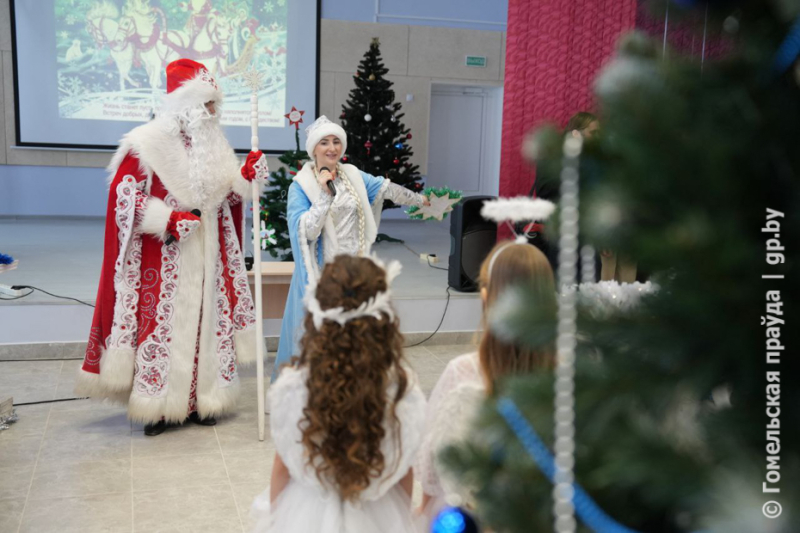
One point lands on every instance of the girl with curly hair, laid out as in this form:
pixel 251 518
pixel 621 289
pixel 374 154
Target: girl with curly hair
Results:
pixel 347 417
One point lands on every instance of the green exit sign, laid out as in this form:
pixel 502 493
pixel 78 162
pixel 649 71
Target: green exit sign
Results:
pixel 476 61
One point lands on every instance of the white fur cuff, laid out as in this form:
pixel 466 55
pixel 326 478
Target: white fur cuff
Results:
pixel 116 369
pixel 242 187
pixel 155 218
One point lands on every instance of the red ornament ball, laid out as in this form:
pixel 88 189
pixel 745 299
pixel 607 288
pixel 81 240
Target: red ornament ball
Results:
pixel 345 159
pixel 396 161
pixel 368 144
pixel 408 136
pixel 341 116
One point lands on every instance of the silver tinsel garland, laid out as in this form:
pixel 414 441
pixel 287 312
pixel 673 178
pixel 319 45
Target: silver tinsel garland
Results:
pixel 607 297
pixel 6 420
pixel 563 492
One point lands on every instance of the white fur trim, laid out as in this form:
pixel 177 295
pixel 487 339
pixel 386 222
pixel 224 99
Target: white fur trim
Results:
pixel 88 384
pixel 126 147
pixel 161 151
pixel 321 128
pixel 116 369
pixel 242 187
pixel 219 401
pixel 519 209
pixel 187 317
pixel 191 93
pixel 308 182
pixel 245 340
pixel 143 410
pixel 156 218
pixel 214 394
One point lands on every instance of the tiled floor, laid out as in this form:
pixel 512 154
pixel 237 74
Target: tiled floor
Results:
pixel 82 466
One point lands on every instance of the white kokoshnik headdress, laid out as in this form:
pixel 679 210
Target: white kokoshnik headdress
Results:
pixel 380 303
pixel 519 209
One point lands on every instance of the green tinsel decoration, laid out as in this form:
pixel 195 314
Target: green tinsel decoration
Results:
pixel 437 191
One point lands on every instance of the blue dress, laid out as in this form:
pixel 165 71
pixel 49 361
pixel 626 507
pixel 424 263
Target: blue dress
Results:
pixel 298 203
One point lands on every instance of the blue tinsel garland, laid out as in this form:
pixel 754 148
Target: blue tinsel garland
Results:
pixel 588 511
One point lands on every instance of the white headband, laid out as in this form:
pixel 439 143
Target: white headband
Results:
pixel 519 240
pixel 380 303
pixel 519 209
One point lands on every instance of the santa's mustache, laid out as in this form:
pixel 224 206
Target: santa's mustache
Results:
pixel 190 118
pixel 199 118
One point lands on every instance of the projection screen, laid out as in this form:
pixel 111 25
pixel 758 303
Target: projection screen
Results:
pixel 88 71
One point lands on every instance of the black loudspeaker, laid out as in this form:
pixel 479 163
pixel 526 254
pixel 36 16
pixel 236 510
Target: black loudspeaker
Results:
pixel 471 240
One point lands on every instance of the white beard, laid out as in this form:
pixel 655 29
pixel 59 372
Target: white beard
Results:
pixel 212 162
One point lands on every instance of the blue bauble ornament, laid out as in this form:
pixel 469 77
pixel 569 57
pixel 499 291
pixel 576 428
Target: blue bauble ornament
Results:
pixel 453 520
pixel 399 146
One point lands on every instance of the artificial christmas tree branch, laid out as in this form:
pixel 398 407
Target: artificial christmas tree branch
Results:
pixel 671 395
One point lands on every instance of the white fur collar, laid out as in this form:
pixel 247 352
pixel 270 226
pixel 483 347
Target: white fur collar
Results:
pixel 162 152
pixel 308 182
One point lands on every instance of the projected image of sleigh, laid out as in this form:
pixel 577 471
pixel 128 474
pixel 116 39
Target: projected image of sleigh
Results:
pixel 112 66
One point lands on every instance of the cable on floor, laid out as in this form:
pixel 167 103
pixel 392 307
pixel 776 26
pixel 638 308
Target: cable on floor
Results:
pixel 17 297
pixel 32 289
pixel 50 401
pixel 37 360
pixel 437 268
pixel 446 305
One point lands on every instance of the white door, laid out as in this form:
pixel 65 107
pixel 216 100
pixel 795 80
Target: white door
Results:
pixel 464 136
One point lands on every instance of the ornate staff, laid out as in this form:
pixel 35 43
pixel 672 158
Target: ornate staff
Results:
pixel 253 79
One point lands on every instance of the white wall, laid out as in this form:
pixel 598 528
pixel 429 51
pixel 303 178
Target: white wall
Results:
pixel 416 56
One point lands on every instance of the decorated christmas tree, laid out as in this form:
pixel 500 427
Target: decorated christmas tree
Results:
pixel 274 226
pixel 377 140
pixel 686 404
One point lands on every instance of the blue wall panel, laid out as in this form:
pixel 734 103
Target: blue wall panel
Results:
pixel 472 14
pixel 53 191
